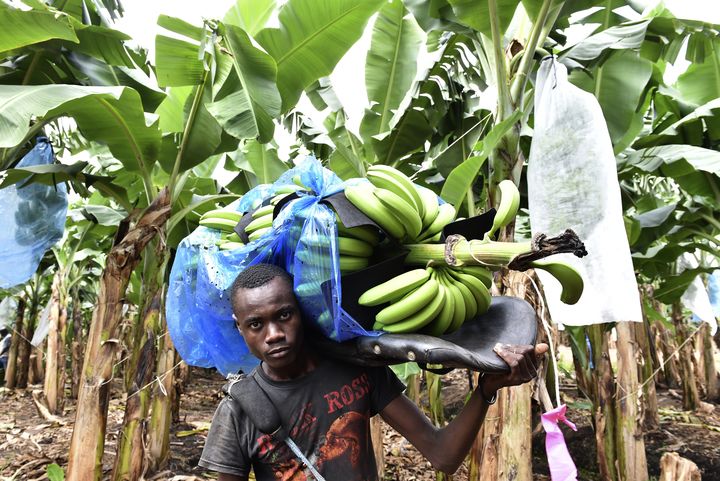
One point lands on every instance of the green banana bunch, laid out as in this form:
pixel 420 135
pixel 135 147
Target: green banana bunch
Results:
pixel 409 304
pixel 404 212
pixel 570 279
pixel 390 178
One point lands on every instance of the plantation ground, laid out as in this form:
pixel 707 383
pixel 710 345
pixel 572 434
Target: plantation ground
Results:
pixel 28 442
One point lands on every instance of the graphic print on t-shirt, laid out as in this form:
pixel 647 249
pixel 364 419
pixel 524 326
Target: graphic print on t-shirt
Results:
pixel 339 450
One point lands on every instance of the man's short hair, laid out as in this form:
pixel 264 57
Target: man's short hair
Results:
pixel 257 276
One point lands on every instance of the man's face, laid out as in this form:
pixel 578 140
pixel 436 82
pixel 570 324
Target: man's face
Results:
pixel 270 322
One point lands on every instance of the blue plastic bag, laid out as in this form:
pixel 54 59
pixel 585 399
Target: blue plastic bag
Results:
pixel 33 220
pixel 303 241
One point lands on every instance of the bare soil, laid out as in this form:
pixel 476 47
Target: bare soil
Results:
pixel 29 442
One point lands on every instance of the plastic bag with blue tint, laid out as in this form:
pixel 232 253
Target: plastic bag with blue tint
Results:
pixel 33 220
pixel 303 240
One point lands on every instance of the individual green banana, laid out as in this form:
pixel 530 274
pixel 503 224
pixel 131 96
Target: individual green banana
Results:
pixel 431 207
pixel 570 279
pixel 482 273
pixel 354 247
pixel 460 313
pixel 365 233
pixel 274 200
pixel 258 233
pixel 362 197
pixel 508 207
pixel 222 214
pixel 394 288
pixel 225 225
pixel 404 212
pixel 471 306
pixel 351 263
pixel 231 237
pixel 263 211
pixel 228 246
pixel 476 286
pixel 259 223
pixel 446 214
pixel 386 181
pixel 401 179
pixel 421 318
pixel 287 189
pixel 409 304
pixel 444 318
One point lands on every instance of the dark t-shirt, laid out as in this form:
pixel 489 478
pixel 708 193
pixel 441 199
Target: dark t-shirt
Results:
pixel 327 413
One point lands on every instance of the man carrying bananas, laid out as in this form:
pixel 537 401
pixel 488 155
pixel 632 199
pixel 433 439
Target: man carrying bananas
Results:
pixel 324 405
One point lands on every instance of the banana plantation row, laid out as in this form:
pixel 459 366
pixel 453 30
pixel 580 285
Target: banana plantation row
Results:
pixel 148 146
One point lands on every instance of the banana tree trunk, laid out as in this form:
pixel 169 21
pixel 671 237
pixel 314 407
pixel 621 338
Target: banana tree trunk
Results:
pixel 15 340
pixel 603 390
pixel 181 378
pixel 76 348
pixel 646 367
pixel 54 386
pixel 129 462
pixel 670 357
pixel 632 463
pixel 163 391
pixel 710 370
pixel 691 398
pixel 22 371
pixel 88 438
pixel 37 366
pixel 503 448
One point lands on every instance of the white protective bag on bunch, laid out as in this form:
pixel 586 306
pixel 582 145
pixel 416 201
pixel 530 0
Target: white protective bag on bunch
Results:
pixel 572 183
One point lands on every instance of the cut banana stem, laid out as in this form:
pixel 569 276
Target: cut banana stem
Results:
pixel 493 255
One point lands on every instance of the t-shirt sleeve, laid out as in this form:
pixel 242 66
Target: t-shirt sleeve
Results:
pixel 386 387
pixel 223 451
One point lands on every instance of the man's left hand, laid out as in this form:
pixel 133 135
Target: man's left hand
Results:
pixel 523 361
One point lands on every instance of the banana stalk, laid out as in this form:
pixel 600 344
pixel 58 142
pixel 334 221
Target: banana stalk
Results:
pixel 489 254
pixel 458 251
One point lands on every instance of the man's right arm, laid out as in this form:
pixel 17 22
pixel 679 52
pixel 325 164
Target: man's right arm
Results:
pixel 447 447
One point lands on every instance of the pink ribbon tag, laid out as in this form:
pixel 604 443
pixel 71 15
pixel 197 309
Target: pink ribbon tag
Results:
pixel 562 467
